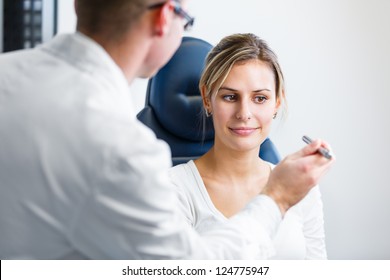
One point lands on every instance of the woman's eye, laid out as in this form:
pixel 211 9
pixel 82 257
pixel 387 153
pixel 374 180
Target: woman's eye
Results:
pixel 229 97
pixel 260 99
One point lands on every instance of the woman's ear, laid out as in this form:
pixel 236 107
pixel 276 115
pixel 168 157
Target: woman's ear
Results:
pixel 205 99
pixel 277 106
pixel 279 101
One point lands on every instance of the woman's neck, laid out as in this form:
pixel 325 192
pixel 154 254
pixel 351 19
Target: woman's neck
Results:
pixel 231 165
pixel 233 177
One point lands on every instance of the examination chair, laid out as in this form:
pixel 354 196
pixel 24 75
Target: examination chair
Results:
pixel 173 107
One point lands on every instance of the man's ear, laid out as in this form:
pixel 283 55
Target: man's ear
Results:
pixel 75 7
pixel 164 18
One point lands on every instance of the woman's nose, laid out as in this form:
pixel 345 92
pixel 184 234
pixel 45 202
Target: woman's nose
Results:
pixel 244 111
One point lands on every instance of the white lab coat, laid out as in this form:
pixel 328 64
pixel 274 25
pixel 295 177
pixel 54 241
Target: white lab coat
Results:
pixel 81 177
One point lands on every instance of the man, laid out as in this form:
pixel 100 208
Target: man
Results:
pixel 80 177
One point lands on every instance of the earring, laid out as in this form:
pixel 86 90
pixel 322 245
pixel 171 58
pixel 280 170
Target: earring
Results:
pixel 208 114
pixel 276 113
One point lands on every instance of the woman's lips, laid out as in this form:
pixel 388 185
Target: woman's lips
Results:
pixel 243 131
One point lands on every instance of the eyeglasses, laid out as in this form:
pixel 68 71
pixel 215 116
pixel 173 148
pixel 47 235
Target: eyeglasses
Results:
pixel 177 9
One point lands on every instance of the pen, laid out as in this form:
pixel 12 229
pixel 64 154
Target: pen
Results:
pixel 325 152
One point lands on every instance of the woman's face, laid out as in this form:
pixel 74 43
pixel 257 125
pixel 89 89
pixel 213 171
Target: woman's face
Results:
pixel 244 106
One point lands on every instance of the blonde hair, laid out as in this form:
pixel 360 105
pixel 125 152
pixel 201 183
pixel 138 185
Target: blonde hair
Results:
pixel 238 48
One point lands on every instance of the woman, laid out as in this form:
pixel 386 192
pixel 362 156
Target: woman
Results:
pixel 242 88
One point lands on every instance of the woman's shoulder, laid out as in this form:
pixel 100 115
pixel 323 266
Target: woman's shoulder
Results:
pixel 181 169
pixel 184 174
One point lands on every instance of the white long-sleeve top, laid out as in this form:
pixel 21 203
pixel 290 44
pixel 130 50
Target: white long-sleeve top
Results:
pixel 299 236
pixel 81 177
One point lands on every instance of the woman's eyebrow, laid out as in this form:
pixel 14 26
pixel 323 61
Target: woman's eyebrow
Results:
pixel 228 88
pixel 232 89
pixel 263 89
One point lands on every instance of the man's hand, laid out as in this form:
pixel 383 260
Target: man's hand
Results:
pixel 296 174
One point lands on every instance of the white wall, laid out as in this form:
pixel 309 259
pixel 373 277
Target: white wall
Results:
pixel 66 16
pixel 335 57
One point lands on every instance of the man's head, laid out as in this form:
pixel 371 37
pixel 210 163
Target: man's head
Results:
pixel 112 18
pixel 137 33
